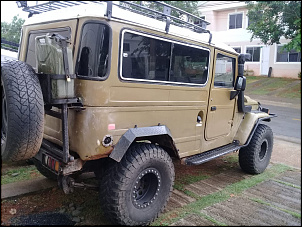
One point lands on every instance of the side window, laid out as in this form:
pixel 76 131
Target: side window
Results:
pixel 145 58
pixel 94 51
pixel 287 56
pixel 31 49
pixel 224 71
pixel 189 64
pixel 255 53
pixel 148 58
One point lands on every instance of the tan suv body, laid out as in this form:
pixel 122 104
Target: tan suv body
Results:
pixel 136 81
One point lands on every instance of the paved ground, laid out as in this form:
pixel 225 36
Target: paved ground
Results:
pixel 278 200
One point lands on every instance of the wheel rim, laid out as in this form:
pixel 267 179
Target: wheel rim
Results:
pixel 263 150
pixel 4 121
pixel 146 188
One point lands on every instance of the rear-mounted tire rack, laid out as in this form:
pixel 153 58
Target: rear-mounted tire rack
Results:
pixel 55 90
pixel 61 103
pixel 66 157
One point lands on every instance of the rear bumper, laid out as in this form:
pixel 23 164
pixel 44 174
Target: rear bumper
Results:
pixel 51 157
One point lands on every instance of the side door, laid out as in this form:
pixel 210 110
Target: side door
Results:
pixel 221 109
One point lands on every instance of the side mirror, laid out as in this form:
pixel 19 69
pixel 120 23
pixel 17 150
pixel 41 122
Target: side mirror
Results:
pixel 239 86
pixel 240 83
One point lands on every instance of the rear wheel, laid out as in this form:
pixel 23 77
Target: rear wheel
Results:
pixel 256 156
pixel 132 192
pixel 22 111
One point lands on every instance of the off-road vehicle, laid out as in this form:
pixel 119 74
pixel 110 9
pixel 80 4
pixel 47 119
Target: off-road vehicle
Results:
pixel 122 90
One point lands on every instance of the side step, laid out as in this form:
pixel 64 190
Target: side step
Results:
pixel 212 154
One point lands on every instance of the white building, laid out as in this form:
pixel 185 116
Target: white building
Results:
pixel 228 24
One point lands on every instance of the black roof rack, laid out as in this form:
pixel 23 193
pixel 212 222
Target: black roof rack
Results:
pixel 146 8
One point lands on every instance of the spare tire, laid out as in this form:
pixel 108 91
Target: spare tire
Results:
pixel 22 111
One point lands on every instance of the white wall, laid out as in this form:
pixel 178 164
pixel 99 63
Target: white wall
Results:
pixel 241 37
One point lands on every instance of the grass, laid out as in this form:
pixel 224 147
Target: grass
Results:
pixel 189 179
pixel 294 92
pixel 183 180
pixel 20 173
pixel 278 87
pixel 220 196
pixel 252 79
pixel 287 184
pixel 294 214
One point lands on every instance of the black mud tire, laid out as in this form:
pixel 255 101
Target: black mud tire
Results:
pixel 22 112
pixel 44 171
pixel 255 157
pixel 131 191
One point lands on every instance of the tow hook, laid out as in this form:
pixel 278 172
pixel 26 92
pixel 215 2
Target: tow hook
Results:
pixel 68 184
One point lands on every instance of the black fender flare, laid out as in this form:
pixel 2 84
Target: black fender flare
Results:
pixel 155 134
pixel 268 119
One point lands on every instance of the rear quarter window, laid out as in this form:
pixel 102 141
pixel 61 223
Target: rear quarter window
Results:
pixel 31 52
pixel 93 57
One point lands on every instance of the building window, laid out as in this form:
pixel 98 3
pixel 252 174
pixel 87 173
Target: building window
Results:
pixel 224 71
pixel 235 21
pixel 255 53
pixel 237 49
pixel 288 56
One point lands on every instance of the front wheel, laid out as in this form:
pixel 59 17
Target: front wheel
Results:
pixel 256 156
pixel 136 190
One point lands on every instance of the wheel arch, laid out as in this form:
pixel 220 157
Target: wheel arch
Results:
pixel 249 125
pixel 160 135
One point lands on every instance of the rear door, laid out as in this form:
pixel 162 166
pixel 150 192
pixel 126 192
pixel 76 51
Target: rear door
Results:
pixel 221 109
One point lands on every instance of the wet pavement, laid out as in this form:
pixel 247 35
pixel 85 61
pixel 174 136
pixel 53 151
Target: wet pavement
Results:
pixel 271 203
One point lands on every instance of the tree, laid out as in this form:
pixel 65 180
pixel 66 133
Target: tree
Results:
pixel 12 31
pixel 188 6
pixel 270 20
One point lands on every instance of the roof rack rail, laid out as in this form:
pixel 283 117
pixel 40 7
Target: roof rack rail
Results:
pixel 146 8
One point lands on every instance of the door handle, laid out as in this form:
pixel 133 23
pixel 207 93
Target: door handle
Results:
pixel 213 108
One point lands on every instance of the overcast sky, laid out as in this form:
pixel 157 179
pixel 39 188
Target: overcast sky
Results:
pixel 9 9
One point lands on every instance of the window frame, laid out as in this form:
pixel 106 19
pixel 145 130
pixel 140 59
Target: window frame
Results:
pixel 260 57
pixel 233 67
pixel 109 52
pixel 48 30
pixel 276 52
pixel 123 31
pixel 234 13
